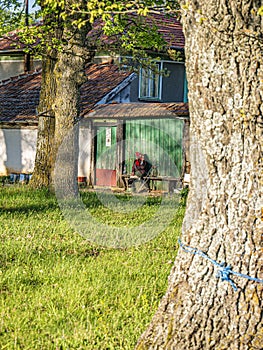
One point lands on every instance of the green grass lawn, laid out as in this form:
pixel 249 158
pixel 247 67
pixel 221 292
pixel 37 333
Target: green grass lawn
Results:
pixel 58 291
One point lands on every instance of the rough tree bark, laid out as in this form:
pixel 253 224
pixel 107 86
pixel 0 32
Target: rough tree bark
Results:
pixel 224 210
pixel 70 75
pixel 44 160
pixel 63 74
pixel 46 127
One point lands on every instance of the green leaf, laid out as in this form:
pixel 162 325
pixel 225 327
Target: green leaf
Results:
pixel 260 11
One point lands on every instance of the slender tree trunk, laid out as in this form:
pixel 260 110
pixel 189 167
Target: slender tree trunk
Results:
pixel 46 126
pixel 46 117
pixel 70 75
pixel 223 217
pixel 63 74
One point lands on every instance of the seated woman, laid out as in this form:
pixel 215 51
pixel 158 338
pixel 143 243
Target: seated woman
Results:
pixel 136 164
pixel 141 168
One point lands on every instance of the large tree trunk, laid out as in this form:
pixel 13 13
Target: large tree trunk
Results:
pixel 223 218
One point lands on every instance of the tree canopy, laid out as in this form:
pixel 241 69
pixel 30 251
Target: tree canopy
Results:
pixel 11 14
pixel 124 22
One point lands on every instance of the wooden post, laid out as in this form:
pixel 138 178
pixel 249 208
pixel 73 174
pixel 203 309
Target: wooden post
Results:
pixel 186 148
pixel 92 132
pixel 120 157
pixel 27 56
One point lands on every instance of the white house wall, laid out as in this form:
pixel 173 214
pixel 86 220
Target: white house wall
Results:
pixel 84 163
pixel 11 65
pixel 17 150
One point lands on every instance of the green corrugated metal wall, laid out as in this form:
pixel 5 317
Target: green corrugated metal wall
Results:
pixel 161 139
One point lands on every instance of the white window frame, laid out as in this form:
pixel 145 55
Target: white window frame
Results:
pixel 150 81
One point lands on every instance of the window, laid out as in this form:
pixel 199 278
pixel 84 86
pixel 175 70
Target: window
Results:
pixel 150 83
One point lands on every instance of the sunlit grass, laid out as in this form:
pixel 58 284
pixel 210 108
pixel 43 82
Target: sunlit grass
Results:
pixel 57 291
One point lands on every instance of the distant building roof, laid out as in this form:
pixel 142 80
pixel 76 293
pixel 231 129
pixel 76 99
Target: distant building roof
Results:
pixel 137 110
pixel 19 96
pixel 171 30
pixel 11 42
pixel 168 26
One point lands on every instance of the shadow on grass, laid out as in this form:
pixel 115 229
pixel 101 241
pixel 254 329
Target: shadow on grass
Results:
pixel 19 201
pixel 92 200
pixel 24 200
pixel 26 209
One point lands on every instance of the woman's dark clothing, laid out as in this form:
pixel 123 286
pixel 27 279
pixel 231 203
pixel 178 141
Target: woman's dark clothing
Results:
pixel 141 167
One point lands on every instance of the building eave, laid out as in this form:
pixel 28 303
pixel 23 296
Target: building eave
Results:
pixel 139 110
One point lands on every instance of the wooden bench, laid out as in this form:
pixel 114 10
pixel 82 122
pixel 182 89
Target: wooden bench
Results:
pixel 173 182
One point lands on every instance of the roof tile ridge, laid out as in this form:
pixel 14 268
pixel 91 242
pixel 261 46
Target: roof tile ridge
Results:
pixel 93 65
pixel 14 32
pixel 20 76
pixel 108 63
pixel 9 35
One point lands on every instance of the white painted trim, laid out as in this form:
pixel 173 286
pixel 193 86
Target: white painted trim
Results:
pixel 165 61
pixel 11 61
pixel 140 82
pixel 177 62
pixel 161 81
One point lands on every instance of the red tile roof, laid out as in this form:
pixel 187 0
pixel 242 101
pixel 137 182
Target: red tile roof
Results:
pixel 168 26
pixel 11 42
pixel 19 96
pixel 170 29
pixel 102 79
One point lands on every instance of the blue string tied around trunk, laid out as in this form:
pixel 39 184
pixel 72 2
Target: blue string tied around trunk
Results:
pixel 223 271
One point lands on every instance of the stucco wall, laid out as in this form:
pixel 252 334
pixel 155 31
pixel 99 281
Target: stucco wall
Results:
pixel 10 68
pixel 12 65
pixel 84 163
pixel 17 150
